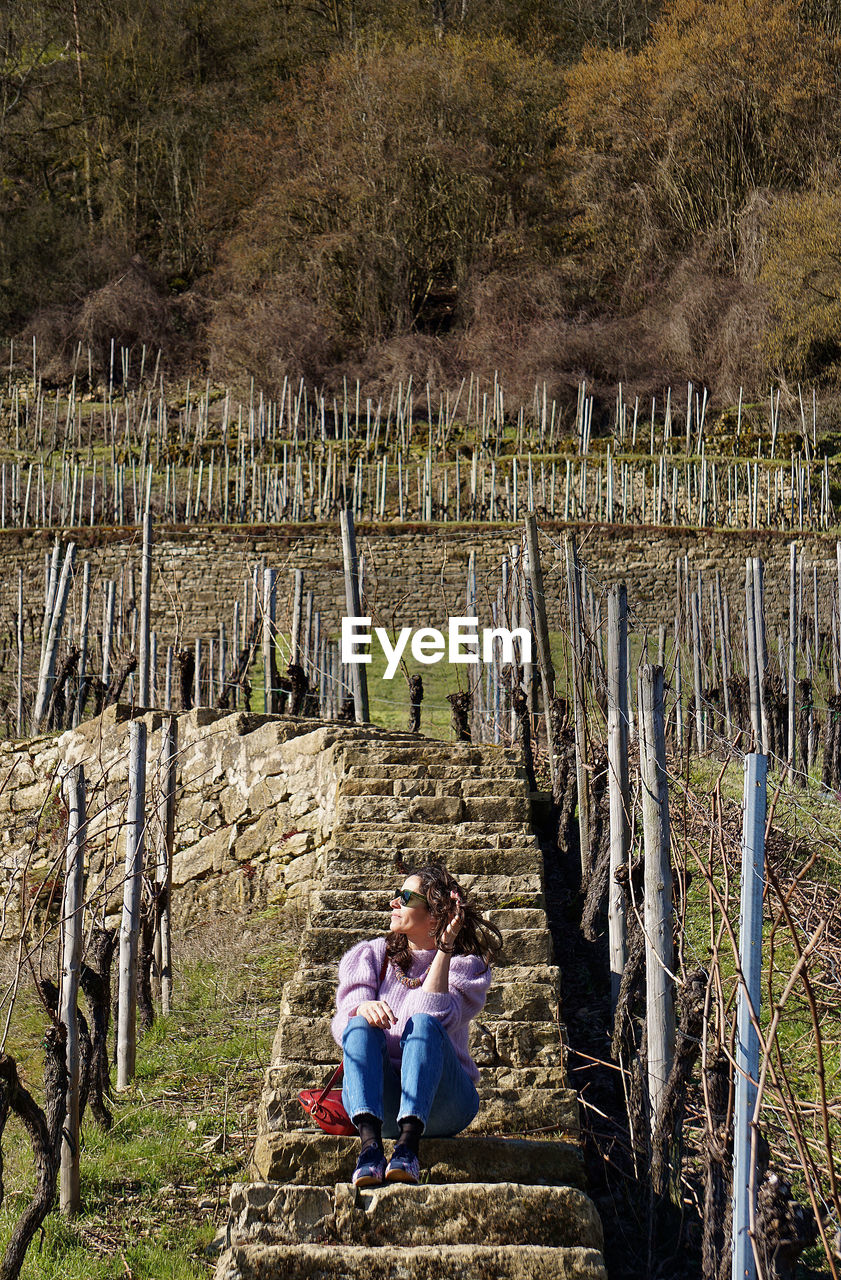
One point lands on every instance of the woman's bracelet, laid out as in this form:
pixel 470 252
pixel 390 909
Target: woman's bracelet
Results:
pixel 447 951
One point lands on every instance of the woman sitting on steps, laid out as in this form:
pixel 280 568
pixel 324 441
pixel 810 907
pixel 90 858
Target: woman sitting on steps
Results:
pixel 403 1011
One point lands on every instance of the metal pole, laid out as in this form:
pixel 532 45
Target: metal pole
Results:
pixel 107 631
pixel 659 993
pixel 792 655
pixel 700 744
pixel 297 599
pixel 83 642
pixel 145 607
pixel 166 845
pixel 617 778
pixel 20 654
pixel 359 676
pixel 541 628
pixel 753 672
pixel 56 622
pixel 71 952
pixel 130 924
pixel 761 647
pixel 747 1043
pixel 269 641
pixel 579 704
pixel 197 689
pixel 470 612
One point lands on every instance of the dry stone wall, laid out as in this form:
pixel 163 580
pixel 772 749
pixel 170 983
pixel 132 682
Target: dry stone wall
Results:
pixel 414 574
pixel 255 807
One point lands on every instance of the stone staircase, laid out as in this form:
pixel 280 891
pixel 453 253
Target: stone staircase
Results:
pixel 503 1199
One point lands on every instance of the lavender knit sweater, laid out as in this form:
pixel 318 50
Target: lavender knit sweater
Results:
pixel 359 980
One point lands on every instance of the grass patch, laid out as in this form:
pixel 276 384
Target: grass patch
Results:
pixel 155 1187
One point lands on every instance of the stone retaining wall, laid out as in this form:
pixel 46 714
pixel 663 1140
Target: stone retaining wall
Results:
pixel 414 574
pixel 255 805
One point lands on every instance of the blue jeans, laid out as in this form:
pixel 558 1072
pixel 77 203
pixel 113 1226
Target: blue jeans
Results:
pixel 432 1085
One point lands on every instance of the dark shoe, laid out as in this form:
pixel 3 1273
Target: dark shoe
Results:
pixel 404 1166
pixel 370 1168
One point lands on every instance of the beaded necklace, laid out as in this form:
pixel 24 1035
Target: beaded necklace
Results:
pixel 411 983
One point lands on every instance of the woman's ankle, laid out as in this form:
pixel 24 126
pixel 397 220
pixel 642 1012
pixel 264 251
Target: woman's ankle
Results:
pixel 410 1133
pixel 370 1131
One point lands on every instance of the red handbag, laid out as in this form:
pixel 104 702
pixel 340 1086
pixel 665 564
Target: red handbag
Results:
pixel 325 1106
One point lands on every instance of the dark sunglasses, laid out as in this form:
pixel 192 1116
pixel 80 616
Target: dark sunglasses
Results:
pixel 405 896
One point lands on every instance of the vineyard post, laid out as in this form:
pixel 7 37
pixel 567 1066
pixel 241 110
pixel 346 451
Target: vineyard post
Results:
pixel 792 655
pixel 747 1043
pixel 617 778
pixel 753 672
pixel 56 621
pixel 20 653
pixel 107 631
pixel 723 624
pixel 679 723
pixel 659 995
pixel 579 702
pixel 49 601
pixel 541 626
pixel 83 642
pixel 307 647
pixel 166 845
pixel 145 608
pixel 197 686
pixel 71 961
pixel 700 743
pixel 294 643
pixel 269 640
pixel 470 612
pixel 130 924
pixel 358 674
pixel 761 648
pixel 168 678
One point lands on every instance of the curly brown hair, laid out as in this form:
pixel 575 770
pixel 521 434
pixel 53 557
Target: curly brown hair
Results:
pixel 477 936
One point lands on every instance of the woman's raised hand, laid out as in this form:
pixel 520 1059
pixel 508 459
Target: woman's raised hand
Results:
pixel 376 1013
pixel 454 924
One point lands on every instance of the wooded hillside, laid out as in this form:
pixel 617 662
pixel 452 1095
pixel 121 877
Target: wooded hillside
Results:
pixel 614 190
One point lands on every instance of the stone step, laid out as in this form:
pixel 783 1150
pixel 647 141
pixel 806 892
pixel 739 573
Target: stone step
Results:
pixel 437 809
pixel 431 751
pixel 350 873
pixel 375 919
pixel 470 835
pixel 493 1042
pixel 423 1262
pixel 321 946
pixel 522 1001
pixel 438 769
pixel 512 974
pixel 469 1213
pixel 496 891
pixel 293 1076
pixel 317 1159
pixel 409 788
pixel 505 1109
pixel 385 860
